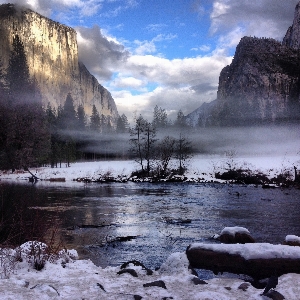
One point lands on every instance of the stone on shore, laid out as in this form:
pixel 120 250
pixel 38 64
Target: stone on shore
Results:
pixel 259 260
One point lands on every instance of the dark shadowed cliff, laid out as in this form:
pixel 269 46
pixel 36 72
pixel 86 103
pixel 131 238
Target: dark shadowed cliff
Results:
pixel 260 86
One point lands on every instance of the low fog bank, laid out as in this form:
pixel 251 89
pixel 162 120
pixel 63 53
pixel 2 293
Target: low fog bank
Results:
pixel 276 140
pixel 249 141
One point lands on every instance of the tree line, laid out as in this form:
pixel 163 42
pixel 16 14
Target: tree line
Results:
pixel 32 135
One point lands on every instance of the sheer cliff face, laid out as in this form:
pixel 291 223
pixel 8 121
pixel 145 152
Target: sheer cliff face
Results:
pixel 261 85
pixel 52 56
pixel 292 37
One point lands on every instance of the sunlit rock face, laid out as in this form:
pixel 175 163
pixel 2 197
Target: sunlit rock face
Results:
pixel 260 86
pixel 52 56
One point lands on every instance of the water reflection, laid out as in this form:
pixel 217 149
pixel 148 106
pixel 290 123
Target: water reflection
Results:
pixel 152 213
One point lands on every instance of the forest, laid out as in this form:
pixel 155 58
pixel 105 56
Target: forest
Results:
pixel 32 135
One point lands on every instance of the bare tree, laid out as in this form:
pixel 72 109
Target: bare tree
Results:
pixel 149 143
pixel 142 143
pixel 166 150
pixel 136 141
pixel 183 152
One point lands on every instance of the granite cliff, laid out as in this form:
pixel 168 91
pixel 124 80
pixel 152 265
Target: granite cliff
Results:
pixel 52 56
pixel 260 86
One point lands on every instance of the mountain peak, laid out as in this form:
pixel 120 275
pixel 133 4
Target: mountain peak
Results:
pixel 292 37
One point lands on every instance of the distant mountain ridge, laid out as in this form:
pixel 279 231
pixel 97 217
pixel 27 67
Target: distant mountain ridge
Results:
pixel 52 55
pixel 260 86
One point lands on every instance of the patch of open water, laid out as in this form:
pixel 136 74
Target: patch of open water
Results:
pixel 163 217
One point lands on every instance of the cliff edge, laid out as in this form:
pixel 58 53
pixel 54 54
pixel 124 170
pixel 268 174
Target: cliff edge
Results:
pixel 52 55
pixel 260 86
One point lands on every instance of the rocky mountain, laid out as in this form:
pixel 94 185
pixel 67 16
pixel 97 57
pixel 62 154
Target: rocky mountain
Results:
pixel 260 86
pixel 52 55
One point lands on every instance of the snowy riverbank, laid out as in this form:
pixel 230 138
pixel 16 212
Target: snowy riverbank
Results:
pixel 201 168
pixel 66 278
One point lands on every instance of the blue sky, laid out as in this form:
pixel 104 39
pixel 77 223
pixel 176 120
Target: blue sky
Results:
pixel 163 52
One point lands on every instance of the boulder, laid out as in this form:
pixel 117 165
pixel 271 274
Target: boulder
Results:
pixel 292 240
pixel 235 235
pixel 259 262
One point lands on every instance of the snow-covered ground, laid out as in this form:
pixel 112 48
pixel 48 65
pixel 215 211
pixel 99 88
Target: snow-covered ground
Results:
pixel 203 167
pixel 81 279
pixel 66 278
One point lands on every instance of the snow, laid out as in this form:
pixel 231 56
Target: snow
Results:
pixel 201 167
pixel 253 250
pixel 233 230
pixel 63 278
pixel 91 170
pixel 81 279
pixel 292 238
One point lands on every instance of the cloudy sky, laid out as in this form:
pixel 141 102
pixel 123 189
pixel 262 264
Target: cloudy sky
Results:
pixel 163 52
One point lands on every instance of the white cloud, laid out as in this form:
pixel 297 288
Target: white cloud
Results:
pixel 203 48
pixel 102 55
pixel 176 72
pixel 67 9
pixel 182 83
pixel 234 19
pixel 156 27
pixel 146 47
pixel 128 82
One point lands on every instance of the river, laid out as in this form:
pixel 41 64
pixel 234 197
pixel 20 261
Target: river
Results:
pixel 162 218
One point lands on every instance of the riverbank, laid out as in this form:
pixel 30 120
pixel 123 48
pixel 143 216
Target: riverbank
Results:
pixel 67 278
pixel 201 169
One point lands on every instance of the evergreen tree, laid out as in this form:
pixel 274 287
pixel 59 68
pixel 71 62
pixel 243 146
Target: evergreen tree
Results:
pixel 3 86
pixel 81 118
pixel 3 118
pixel 180 120
pixel 160 117
pixel 95 123
pixel 51 117
pixel 26 136
pixel 18 77
pixel 122 124
pixel 68 116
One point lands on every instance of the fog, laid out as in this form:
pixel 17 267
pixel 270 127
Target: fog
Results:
pixel 276 140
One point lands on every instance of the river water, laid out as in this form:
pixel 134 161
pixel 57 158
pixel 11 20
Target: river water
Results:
pixel 162 218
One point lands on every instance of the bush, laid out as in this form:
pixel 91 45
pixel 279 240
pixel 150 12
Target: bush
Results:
pixel 243 176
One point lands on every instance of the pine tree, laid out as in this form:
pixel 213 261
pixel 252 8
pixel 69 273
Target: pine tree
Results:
pixel 68 117
pixel 3 87
pixel 180 120
pixel 81 117
pixel 160 117
pixel 122 124
pixel 27 140
pixel 18 77
pixel 3 118
pixel 95 123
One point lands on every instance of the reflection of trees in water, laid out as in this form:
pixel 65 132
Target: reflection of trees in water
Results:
pixel 164 217
pixel 19 223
